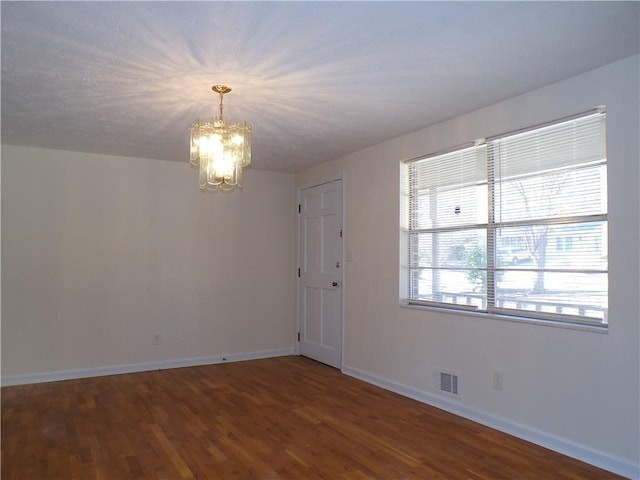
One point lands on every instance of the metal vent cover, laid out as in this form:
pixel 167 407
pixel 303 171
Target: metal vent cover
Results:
pixel 449 383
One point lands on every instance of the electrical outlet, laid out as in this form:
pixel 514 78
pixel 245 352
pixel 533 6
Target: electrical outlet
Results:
pixel 156 339
pixel 498 380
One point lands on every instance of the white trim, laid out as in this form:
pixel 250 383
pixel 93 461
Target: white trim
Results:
pixel 343 260
pixel 317 183
pixel 8 380
pixel 603 328
pixel 563 446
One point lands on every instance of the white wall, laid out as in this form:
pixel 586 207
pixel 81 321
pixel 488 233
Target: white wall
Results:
pixel 99 253
pixel 573 390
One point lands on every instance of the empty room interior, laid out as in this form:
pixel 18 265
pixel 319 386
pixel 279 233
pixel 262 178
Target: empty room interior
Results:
pixel 358 240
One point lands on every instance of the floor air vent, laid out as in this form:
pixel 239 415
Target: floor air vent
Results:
pixel 449 383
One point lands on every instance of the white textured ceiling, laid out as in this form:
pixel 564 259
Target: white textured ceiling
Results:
pixel 317 80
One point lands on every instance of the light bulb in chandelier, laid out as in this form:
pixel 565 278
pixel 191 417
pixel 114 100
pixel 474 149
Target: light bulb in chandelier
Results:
pixel 221 149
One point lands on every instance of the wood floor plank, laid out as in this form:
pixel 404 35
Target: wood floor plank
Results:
pixel 280 418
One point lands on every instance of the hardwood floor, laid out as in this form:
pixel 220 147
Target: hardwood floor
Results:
pixel 286 417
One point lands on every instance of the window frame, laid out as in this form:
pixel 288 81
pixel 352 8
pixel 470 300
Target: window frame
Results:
pixel 490 302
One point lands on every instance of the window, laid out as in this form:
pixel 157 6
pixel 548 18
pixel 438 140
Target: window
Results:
pixel 515 225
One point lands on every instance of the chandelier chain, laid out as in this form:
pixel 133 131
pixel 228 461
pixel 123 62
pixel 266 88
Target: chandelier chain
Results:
pixel 221 89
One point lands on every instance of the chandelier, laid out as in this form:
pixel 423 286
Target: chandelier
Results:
pixel 220 149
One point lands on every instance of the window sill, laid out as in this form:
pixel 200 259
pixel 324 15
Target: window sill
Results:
pixel 509 318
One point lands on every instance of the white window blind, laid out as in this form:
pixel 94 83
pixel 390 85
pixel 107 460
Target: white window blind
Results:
pixel 447 223
pixel 516 226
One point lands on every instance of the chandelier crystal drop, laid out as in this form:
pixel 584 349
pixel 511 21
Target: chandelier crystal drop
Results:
pixel 221 149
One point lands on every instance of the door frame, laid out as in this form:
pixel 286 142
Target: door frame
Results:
pixel 342 260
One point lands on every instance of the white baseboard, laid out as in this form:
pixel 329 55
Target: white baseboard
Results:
pixel 9 380
pixel 566 447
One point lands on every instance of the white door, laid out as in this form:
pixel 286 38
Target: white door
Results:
pixel 320 282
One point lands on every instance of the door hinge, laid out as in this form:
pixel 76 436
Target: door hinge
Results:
pixel 298 273
pixel 299 208
pixel 298 336
pixel 340 233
